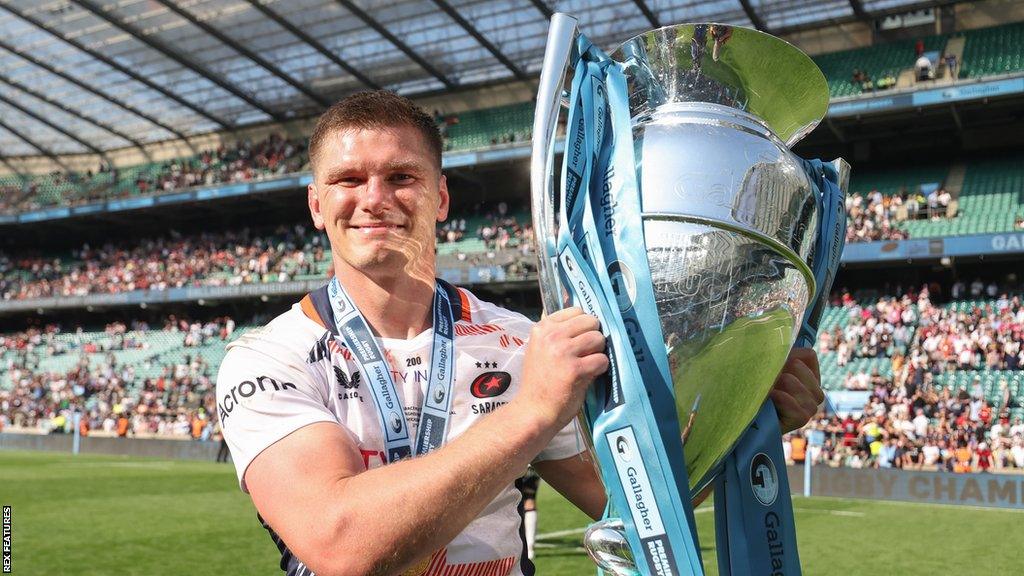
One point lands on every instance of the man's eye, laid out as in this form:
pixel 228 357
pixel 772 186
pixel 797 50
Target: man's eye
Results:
pixel 402 178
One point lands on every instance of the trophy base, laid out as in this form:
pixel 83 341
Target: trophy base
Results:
pixel 605 542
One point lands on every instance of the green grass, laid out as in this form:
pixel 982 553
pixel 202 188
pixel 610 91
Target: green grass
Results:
pixel 107 515
pixel 837 536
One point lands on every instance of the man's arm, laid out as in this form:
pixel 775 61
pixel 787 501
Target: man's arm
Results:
pixel 576 478
pixel 312 489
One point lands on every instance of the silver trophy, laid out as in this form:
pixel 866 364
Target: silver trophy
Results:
pixel 729 218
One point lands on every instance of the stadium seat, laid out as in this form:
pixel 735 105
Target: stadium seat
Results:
pixel 992 51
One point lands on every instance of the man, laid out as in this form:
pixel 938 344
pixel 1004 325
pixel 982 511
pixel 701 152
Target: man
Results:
pixel 924 67
pixel 798 447
pixel 309 415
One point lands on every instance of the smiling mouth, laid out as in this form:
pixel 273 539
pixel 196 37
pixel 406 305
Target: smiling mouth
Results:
pixel 377 228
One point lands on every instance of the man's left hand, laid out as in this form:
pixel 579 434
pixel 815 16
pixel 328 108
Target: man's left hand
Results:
pixel 797 392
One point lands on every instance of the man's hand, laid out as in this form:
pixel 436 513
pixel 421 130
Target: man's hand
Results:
pixel 797 392
pixel 565 354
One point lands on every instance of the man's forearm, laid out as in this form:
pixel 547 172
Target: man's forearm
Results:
pixel 420 505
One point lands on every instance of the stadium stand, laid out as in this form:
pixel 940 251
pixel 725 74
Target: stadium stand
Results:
pixel 487 127
pixel 160 379
pixel 944 379
pixel 961 364
pixel 877 63
pixel 992 51
pixel 898 203
pixel 243 161
pixel 230 258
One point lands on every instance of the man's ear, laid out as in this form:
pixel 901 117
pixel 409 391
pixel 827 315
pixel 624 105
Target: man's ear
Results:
pixel 442 208
pixel 313 199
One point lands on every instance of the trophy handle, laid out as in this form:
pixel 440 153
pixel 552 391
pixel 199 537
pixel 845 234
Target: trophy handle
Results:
pixel 843 170
pixel 561 34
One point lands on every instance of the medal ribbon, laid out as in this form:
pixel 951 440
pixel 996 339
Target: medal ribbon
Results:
pixel 355 334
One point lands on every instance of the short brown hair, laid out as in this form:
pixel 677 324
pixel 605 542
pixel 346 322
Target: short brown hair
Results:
pixel 374 109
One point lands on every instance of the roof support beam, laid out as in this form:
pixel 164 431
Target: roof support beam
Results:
pixel 873 15
pixel 380 29
pixel 14 170
pixel 70 112
pixel 51 124
pixel 316 44
pixel 90 89
pixel 469 28
pixel 755 18
pixel 858 10
pixel 544 8
pixel 42 149
pixel 162 48
pixel 259 60
pixel 648 13
pixel 116 66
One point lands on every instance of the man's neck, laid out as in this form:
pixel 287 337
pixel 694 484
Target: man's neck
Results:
pixel 394 305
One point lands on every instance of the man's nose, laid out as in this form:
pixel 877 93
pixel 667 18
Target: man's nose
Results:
pixel 375 195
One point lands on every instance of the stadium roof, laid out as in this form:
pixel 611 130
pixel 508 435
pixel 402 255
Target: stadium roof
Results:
pixel 87 76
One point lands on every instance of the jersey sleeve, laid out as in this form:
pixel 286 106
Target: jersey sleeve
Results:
pixel 568 442
pixel 263 396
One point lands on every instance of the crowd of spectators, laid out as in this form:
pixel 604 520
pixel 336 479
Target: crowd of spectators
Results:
pixel 228 258
pixel 866 83
pixel 109 396
pixel 912 420
pixel 209 259
pixel 507 241
pixel 876 216
pixel 495 225
pixel 924 340
pixel 925 431
pixel 242 161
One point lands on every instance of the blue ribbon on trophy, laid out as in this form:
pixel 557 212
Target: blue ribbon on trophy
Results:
pixel 596 252
pixel 600 216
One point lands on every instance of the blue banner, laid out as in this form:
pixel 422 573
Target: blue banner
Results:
pixel 88 209
pixel 130 203
pixel 176 197
pixel 38 215
pixel 924 248
pixel 223 191
pixel 960 92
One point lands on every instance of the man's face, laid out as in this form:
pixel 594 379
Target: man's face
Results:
pixel 378 194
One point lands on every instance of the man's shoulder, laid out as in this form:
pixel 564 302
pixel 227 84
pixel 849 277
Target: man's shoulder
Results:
pixel 481 312
pixel 290 334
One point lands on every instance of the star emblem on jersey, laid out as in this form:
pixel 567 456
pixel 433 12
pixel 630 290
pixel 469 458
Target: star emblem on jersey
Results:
pixel 486 364
pixel 490 384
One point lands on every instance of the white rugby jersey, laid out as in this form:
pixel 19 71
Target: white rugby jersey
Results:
pixel 294 372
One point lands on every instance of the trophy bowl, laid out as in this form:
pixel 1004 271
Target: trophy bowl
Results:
pixel 729 215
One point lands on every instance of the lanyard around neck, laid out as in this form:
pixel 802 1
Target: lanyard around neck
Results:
pixel 354 332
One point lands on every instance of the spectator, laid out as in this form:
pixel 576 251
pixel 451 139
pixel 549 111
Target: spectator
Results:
pixel 110 397
pixel 924 67
pixel 910 418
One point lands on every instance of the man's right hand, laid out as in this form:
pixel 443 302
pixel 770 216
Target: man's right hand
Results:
pixel 565 354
